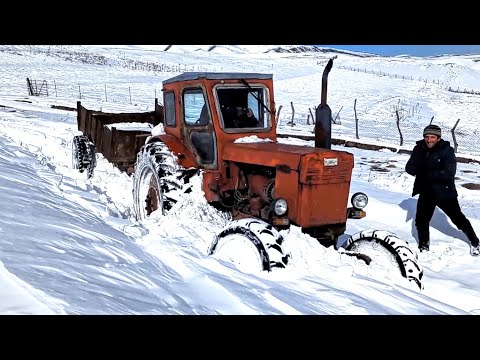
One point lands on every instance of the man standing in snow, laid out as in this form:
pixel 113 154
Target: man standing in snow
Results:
pixel 433 163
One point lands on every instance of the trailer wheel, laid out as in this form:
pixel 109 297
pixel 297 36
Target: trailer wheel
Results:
pixel 380 246
pixel 83 155
pixel 251 245
pixel 154 179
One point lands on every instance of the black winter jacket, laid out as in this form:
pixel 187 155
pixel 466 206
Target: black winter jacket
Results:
pixel 434 169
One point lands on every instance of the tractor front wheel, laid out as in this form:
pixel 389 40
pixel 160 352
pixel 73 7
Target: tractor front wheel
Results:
pixel 380 247
pixel 251 245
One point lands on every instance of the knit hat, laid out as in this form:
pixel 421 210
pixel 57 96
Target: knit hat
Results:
pixel 432 130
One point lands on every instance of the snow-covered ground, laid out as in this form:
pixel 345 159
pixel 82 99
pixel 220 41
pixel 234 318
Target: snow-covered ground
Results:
pixel 72 246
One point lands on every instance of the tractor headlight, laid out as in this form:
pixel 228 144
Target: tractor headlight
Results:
pixel 280 207
pixel 359 200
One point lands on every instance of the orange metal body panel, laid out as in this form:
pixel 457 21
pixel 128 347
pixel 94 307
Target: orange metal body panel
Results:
pixel 185 156
pixel 322 204
pixel 266 153
pixel 316 194
pixel 210 181
pixel 286 186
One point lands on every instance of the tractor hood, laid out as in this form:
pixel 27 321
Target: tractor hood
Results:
pixel 314 182
pixel 273 154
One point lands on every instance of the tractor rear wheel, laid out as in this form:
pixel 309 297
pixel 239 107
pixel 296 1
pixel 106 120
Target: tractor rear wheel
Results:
pixel 385 248
pixel 154 178
pixel 251 245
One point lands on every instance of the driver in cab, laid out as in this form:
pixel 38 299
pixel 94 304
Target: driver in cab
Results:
pixel 245 118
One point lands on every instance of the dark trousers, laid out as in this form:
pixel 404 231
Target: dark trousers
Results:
pixel 426 206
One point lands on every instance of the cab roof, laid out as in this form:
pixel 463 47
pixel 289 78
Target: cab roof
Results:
pixel 217 76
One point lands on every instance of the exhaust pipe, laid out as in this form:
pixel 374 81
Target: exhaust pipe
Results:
pixel 323 115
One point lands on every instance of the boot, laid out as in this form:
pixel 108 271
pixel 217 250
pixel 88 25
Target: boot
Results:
pixel 472 237
pixel 423 240
pixel 475 250
pixel 474 242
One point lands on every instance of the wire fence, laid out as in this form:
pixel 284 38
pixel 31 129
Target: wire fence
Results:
pixel 468 141
pixel 386 131
pixel 425 79
pixel 377 131
pixel 133 94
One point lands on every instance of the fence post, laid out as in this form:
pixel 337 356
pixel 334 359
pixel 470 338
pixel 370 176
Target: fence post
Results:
pixel 293 114
pixel 29 87
pixel 313 117
pixel 79 92
pixel 356 119
pixel 278 114
pixel 55 86
pixel 398 127
pixel 455 144
pixel 130 94
pixel 106 93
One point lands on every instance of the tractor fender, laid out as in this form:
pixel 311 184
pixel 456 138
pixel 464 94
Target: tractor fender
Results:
pixel 185 157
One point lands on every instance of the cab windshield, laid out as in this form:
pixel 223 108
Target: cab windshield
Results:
pixel 243 108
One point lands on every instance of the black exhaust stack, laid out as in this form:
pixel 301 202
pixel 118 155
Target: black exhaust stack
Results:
pixel 323 115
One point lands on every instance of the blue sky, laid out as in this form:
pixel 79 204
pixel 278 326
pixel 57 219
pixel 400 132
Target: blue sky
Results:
pixel 413 50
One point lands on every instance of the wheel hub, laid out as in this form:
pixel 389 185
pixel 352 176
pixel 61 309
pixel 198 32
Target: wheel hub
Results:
pixel 151 201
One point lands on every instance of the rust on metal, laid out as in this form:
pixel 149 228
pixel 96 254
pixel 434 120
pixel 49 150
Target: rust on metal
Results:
pixel 119 146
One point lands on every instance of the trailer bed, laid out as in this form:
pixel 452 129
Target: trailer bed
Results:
pixel 118 136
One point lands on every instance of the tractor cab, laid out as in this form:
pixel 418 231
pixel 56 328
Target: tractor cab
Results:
pixel 203 110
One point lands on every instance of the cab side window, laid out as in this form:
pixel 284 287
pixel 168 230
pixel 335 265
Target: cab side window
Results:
pixel 195 108
pixel 169 101
pixel 199 127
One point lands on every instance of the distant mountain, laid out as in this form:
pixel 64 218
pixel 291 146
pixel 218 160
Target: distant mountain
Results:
pixel 220 49
pixel 254 49
pixel 316 49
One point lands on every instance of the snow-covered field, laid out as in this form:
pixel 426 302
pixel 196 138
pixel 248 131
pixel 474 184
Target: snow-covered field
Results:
pixel 72 246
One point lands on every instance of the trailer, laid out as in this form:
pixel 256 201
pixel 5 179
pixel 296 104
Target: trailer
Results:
pixel 117 136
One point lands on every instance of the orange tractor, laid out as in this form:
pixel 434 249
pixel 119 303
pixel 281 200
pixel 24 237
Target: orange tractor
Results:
pixel 222 127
